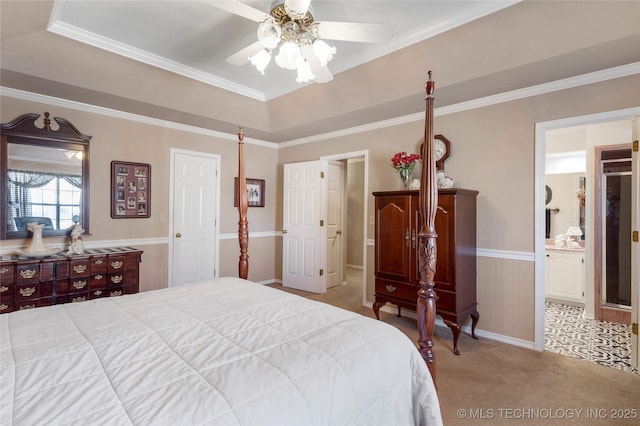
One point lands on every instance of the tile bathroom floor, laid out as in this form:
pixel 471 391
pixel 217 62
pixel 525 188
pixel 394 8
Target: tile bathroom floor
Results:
pixel 600 342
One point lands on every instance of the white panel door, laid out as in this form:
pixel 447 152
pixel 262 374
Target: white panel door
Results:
pixel 302 233
pixel 635 245
pixel 335 182
pixel 194 234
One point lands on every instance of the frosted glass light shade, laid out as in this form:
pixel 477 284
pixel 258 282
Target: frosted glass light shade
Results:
pixel 269 34
pixel 289 56
pixel 304 72
pixel 323 51
pixel 260 60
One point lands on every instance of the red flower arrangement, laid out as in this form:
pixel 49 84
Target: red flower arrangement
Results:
pixel 404 161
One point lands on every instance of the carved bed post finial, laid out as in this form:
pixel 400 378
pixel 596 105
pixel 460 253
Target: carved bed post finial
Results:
pixel 243 204
pixel 427 254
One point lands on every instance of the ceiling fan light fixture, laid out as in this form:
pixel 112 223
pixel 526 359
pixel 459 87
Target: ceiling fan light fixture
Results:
pixel 260 60
pixel 323 51
pixel 304 72
pixel 289 55
pixel 296 9
pixel 269 34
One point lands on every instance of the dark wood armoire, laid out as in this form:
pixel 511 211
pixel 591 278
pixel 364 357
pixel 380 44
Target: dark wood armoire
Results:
pixel 396 257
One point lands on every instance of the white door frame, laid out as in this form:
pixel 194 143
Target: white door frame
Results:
pixel 541 130
pixel 346 156
pixel 173 152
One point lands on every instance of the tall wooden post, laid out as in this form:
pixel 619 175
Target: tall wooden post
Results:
pixel 243 204
pixel 426 305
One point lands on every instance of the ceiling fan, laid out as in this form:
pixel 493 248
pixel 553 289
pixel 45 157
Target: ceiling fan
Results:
pixel 290 32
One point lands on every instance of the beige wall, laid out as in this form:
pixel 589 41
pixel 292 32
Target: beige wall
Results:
pixel 492 152
pixel 355 212
pixel 127 140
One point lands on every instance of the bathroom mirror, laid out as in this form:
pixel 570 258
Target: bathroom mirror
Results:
pixel 44 176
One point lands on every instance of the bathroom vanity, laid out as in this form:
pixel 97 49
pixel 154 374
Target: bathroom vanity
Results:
pixel 565 274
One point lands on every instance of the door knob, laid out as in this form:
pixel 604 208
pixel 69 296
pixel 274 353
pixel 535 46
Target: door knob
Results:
pixel 178 235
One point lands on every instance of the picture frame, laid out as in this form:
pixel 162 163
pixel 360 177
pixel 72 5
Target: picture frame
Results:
pixel 130 190
pixel 255 192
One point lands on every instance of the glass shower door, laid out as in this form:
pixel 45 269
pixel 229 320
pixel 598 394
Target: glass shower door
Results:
pixel 616 283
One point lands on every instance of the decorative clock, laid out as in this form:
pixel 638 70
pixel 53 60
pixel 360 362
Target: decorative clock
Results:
pixel 441 150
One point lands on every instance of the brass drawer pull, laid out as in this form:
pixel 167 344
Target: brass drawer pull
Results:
pixel 27 291
pixel 3 307
pixel 28 273
pixel 27 307
pixel 117 279
pixel 4 270
pixel 116 293
pixel 78 299
pixel 98 277
pixel 98 261
pixel 3 289
pixel 78 269
pixel 79 284
pixel 391 288
pixel 117 264
pixel 97 292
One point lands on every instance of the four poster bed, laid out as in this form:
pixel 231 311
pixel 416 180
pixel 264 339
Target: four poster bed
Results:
pixel 223 351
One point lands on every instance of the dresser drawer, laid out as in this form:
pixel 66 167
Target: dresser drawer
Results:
pixel 33 290
pixel 78 284
pixel 28 273
pixel 96 294
pixel 99 265
pixel 397 289
pixel 36 303
pixel 446 300
pixel 6 307
pixel 79 268
pixel 6 274
pixel 6 292
pixel 115 291
pixel 62 270
pixel 98 282
pixel 73 297
pixel 118 264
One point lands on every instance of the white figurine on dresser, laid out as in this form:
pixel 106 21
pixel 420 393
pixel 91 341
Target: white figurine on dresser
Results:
pixel 76 246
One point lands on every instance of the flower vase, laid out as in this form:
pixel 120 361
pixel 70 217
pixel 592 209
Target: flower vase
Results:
pixel 405 177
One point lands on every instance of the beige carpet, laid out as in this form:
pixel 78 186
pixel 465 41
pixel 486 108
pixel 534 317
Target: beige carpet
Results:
pixel 496 383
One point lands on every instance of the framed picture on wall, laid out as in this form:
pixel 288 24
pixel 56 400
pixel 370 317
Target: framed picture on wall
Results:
pixel 130 190
pixel 255 192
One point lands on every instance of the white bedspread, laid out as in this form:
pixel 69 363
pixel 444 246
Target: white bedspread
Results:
pixel 226 351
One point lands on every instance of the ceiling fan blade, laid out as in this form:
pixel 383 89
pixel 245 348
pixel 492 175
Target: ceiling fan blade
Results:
pixel 323 74
pixel 242 56
pixel 354 31
pixel 240 9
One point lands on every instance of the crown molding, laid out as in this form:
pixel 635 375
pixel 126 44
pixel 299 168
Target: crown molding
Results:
pixel 96 40
pixel 65 103
pixel 540 89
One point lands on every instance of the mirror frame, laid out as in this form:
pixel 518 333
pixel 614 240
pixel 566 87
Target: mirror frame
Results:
pixel 23 130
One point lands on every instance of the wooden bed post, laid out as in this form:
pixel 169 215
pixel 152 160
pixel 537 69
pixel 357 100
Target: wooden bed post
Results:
pixel 426 305
pixel 243 204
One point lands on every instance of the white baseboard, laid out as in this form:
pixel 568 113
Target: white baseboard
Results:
pixel 467 329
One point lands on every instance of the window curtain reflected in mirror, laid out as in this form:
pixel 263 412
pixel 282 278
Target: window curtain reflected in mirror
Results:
pixel 43 195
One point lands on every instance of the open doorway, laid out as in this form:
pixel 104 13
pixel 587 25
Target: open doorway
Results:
pixel 567 296
pixel 351 291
